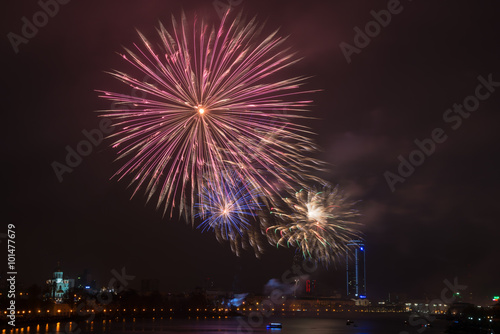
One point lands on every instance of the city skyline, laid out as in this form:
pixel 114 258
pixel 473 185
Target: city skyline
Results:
pixel 302 286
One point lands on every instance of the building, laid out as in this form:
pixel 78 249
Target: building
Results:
pixel 356 270
pixel 310 287
pixel 303 306
pixel 148 286
pixel 59 287
pixel 85 282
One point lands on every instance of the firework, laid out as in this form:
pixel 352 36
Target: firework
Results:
pixel 209 107
pixel 232 213
pixel 318 223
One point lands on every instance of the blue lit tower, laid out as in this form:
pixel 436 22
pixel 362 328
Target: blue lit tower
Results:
pixel 356 269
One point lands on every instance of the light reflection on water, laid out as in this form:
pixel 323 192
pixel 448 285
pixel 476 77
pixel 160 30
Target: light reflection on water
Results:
pixel 374 324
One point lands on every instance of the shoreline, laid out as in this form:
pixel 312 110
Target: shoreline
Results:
pixel 21 323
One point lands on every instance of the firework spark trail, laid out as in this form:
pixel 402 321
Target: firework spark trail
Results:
pixel 211 107
pixel 227 211
pixel 232 214
pixel 318 223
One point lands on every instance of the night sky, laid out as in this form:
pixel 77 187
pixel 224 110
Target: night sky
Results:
pixel 439 224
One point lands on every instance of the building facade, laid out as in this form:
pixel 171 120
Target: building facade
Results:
pixel 356 269
pixel 59 287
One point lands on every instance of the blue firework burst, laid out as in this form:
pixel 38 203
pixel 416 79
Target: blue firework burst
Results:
pixel 228 208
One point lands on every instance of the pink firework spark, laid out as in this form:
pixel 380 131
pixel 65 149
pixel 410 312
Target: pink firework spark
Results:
pixel 213 108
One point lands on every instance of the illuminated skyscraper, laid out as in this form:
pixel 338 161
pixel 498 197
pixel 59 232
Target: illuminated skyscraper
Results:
pixel 356 269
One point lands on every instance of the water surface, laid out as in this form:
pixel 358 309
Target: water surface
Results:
pixel 367 324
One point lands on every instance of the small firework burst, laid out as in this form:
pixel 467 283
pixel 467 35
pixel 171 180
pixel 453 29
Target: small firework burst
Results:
pixel 318 223
pixel 231 213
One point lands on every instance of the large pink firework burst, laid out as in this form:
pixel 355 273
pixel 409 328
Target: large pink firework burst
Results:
pixel 211 109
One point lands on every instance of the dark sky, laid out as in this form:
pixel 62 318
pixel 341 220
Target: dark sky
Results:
pixel 439 224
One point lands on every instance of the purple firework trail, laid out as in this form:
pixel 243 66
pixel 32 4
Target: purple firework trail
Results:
pixel 212 109
pixel 232 214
